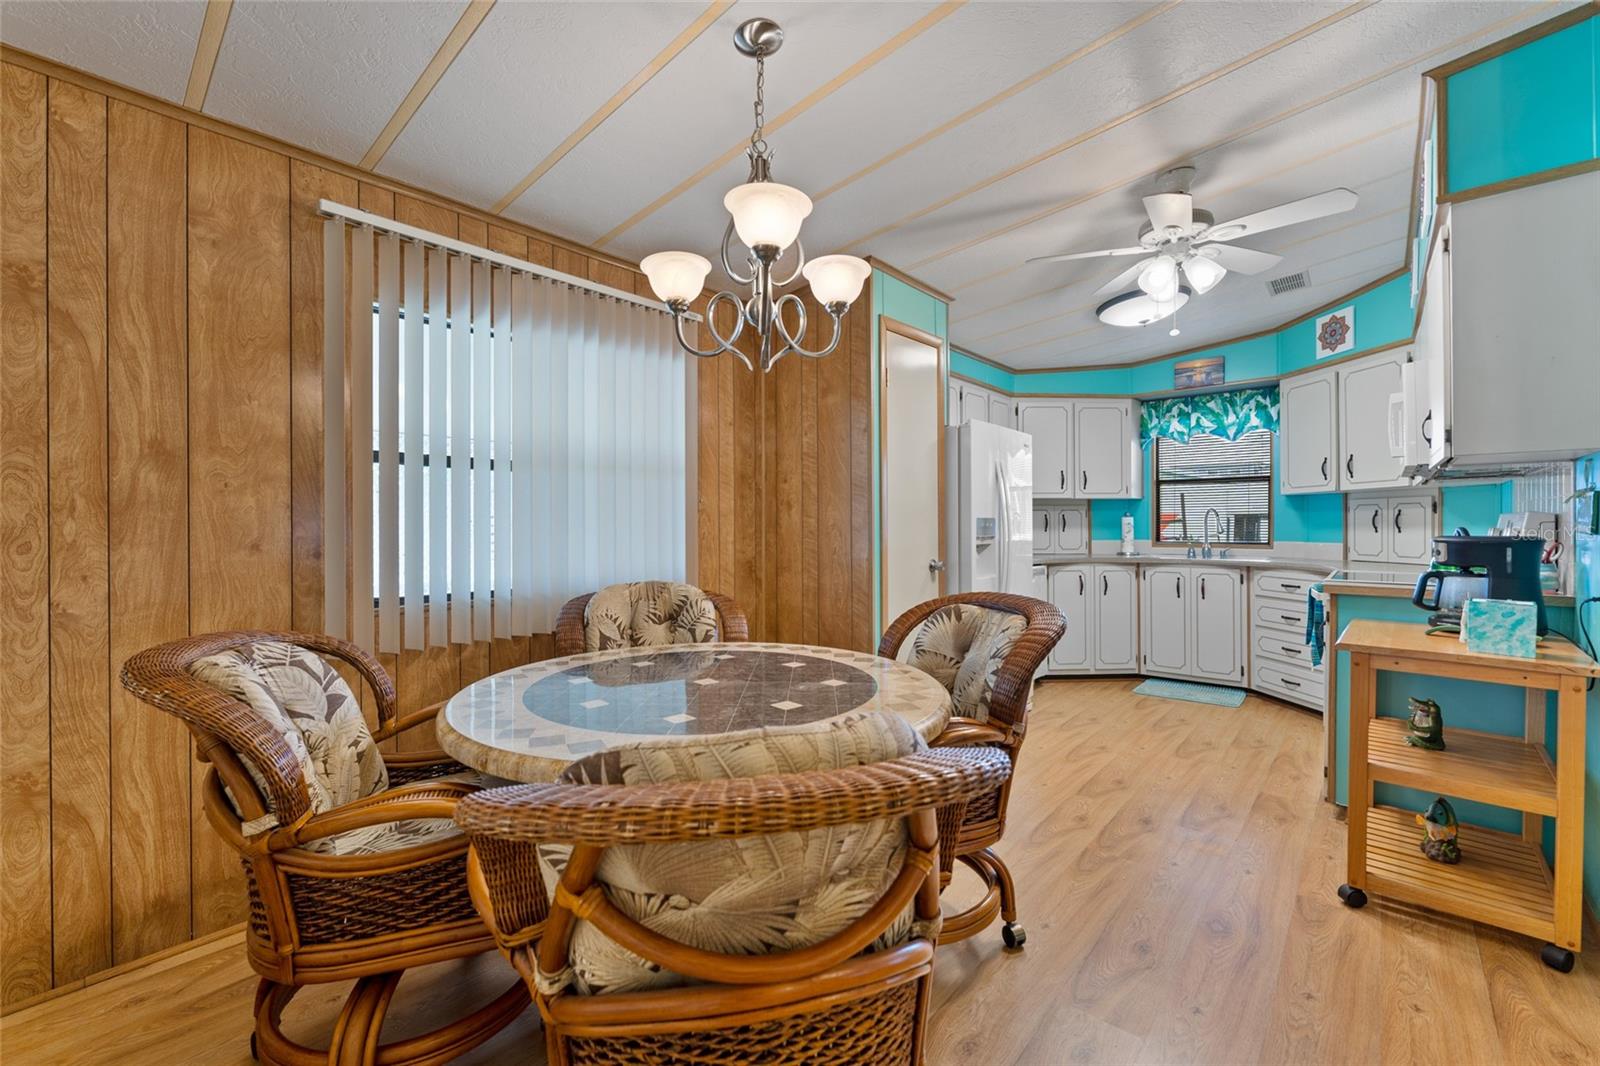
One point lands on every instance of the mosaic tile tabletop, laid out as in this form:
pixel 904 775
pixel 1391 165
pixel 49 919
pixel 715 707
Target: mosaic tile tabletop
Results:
pixel 528 723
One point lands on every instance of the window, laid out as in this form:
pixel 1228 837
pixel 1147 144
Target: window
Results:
pixel 1235 477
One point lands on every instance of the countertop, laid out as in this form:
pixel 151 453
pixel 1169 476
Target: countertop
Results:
pixel 1255 562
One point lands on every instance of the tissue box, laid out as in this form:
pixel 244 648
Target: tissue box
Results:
pixel 1501 627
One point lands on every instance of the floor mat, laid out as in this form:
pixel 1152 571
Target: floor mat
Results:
pixel 1192 691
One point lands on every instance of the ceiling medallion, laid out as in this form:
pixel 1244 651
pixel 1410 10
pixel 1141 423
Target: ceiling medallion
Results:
pixel 767 218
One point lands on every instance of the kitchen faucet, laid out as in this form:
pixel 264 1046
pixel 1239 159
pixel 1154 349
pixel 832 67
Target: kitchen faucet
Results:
pixel 1205 553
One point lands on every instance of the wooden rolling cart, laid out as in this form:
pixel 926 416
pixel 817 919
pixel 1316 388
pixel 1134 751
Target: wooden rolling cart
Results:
pixel 1502 879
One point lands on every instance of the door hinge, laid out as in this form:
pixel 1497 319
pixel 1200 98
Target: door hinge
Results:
pixel 1447 243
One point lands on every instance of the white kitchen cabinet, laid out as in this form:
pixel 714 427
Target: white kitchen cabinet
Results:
pixel 1427 412
pixel 952 403
pixel 1217 625
pixel 1044 532
pixel 1041 591
pixel 1392 528
pixel 1050 423
pixel 1069 591
pixel 1116 614
pixel 1001 410
pixel 1106 449
pixel 1163 620
pixel 1308 433
pixel 1365 390
pixel 1084 448
pixel 1280 660
pixel 1072 530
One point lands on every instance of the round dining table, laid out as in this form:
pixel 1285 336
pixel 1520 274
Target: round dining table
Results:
pixel 530 722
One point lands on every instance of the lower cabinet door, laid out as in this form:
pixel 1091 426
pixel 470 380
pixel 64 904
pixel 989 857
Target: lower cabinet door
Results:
pixel 1164 618
pixel 1410 531
pixel 1217 603
pixel 1116 619
pixel 1364 530
pixel 1069 591
pixel 1072 530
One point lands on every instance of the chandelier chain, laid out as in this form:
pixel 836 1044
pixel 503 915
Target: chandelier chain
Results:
pixel 758 142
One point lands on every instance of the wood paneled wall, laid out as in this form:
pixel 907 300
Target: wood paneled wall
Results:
pixel 160 426
pixel 785 475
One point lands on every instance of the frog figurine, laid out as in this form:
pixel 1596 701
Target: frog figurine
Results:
pixel 1440 822
pixel 1427 725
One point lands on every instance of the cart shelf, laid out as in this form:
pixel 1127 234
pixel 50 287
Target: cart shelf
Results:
pixel 1489 768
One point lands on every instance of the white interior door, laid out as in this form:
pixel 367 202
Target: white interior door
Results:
pixel 913 472
pixel 1116 644
pixel 1307 434
pixel 1101 449
pixel 1069 591
pixel 1050 425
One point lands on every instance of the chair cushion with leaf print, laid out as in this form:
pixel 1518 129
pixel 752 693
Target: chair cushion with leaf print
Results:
pixel 749 895
pixel 301 697
pixel 962 647
pixel 648 614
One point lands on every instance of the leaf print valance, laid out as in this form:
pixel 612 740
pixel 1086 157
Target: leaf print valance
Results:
pixel 1229 415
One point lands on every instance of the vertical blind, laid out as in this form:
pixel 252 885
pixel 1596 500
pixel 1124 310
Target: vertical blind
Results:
pixel 496 441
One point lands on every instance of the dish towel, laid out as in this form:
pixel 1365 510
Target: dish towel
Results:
pixel 1314 627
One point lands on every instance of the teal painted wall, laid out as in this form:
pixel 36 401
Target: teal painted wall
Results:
pixel 1586 574
pixel 893 298
pixel 1532 109
pixel 1478 507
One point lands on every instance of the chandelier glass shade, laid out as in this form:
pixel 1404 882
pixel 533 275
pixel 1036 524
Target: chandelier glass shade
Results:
pixel 766 218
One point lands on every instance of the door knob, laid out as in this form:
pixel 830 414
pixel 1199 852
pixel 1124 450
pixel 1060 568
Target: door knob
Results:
pixel 936 566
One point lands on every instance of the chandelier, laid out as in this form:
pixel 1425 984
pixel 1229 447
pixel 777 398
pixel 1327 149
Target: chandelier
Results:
pixel 767 217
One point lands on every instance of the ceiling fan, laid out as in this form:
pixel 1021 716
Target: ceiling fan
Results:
pixel 1181 238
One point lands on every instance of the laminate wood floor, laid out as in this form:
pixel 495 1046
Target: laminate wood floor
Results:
pixel 1176 869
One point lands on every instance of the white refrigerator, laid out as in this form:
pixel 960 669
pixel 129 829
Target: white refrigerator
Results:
pixel 990 509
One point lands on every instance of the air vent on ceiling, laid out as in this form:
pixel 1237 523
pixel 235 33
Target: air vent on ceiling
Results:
pixel 1289 283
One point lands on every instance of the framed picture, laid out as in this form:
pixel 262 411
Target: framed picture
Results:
pixel 1336 332
pixel 1198 373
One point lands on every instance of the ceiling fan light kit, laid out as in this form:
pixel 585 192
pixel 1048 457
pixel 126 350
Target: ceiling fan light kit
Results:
pixel 766 216
pixel 1183 240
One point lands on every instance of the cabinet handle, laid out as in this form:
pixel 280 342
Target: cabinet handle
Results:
pixel 1085 474
pixel 1374 519
pixel 1324 468
pixel 1290 650
pixel 1080 584
pixel 1288 586
pixel 1202 588
pixel 1350 465
pixel 1063 481
pixel 1105 585
pixel 1178 584
pixel 1292 684
pixel 1427 419
pixel 1291 617
pixel 1397 519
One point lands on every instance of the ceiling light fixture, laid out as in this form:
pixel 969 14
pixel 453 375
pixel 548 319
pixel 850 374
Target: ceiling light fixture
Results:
pixel 1138 308
pixel 767 218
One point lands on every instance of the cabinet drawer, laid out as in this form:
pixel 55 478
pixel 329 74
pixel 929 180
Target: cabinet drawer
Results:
pixel 1278 644
pixel 1277 677
pixel 1283 584
pixel 1281 614
pixel 1284 687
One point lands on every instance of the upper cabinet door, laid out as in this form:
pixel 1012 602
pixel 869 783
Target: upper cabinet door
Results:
pixel 1410 530
pixel 1433 350
pixel 1069 591
pixel 1043 531
pixel 1000 410
pixel 1116 613
pixel 1050 423
pixel 1368 460
pixel 1103 446
pixel 1218 629
pixel 1308 453
pixel 1072 530
pixel 952 404
pixel 1365 538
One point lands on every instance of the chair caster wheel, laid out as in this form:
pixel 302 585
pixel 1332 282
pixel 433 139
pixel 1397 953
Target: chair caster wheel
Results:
pixel 1558 959
pixel 1015 936
pixel 1353 898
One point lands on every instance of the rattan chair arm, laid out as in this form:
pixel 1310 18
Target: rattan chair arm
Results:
pixel 969 732
pixel 409 720
pixel 570 624
pixel 732 625
pixel 423 799
pixel 602 815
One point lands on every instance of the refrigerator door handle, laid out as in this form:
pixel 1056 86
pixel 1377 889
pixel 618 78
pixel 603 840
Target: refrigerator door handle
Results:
pixel 1003 570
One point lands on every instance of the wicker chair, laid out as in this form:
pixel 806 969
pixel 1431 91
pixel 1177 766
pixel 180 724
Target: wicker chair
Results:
pixel 1001 721
pixel 831 1001
pixel 317 915
pixel 574 632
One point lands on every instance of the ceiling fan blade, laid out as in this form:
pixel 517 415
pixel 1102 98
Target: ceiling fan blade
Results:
pixel 1103 252
pixel 1242 260
pixel 1292 213
pixel 1170 209
pixel 1124 279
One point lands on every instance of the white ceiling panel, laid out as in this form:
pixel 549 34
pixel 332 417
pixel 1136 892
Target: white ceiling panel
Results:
pixel 531 75
pixel 325 76
pixel 691 114
pixel 143 45
pixel 1058 165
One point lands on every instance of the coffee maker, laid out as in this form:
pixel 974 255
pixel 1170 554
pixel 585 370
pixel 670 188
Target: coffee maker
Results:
pixel 1472 568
